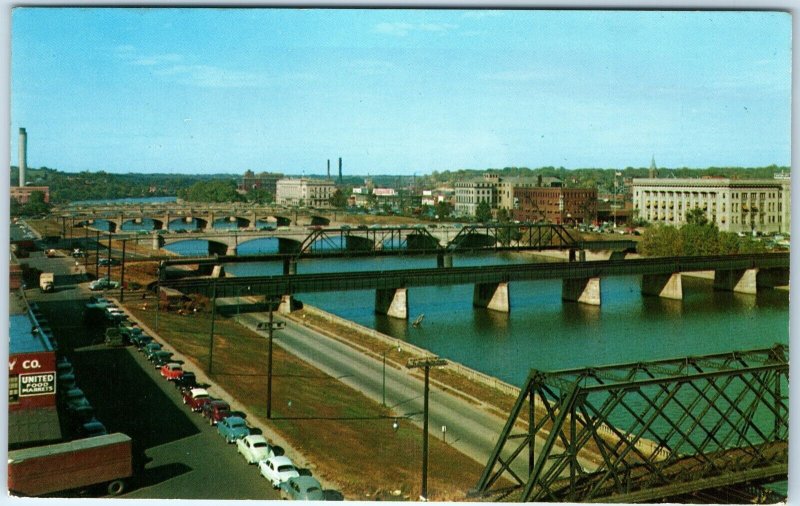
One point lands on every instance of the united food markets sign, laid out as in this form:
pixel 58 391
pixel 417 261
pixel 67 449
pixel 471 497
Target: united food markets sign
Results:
pixel 37 384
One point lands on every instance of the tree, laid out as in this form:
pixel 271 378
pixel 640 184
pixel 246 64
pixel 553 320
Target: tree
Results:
pixel 483 212
pixel 696 216
pixel 443 209
pixel 338 199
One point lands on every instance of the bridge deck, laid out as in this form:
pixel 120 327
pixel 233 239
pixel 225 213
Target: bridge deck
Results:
pixel 394 279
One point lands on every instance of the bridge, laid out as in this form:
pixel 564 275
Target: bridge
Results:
pixel 661 429
pixel 580 280
pixel 393 240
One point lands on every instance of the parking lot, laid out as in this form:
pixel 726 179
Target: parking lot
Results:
pixel 176 453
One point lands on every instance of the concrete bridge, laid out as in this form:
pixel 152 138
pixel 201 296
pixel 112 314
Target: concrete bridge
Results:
pixel 580 280
pixel 202 220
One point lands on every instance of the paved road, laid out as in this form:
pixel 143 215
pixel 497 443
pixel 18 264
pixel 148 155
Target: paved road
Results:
pixel 176 454
pixel 473 431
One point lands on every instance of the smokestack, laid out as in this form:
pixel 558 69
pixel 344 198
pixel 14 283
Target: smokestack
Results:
pixel 329 169
pixel 23 155
pixel 652 173
pixel 340 169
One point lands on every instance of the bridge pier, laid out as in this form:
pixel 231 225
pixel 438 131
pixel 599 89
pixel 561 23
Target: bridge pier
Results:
pixel 286 304
pixel 444 261
pixel 494 296
pixel 668 286
pixel 392 302
pixel 289 266
pixel 584 290
pixel 739 281
pixel 231 251
pixel 770 278
pixel 156 242
pixel 218 271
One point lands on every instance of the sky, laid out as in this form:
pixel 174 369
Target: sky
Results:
pixel 398 91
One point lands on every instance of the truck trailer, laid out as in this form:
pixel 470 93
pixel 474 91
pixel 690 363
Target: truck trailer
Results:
pixel 47 282
pixel 75 465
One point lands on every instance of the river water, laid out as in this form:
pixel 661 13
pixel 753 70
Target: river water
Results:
pixel 542 331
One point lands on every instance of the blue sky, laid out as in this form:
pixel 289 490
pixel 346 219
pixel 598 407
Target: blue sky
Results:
pixel 397 91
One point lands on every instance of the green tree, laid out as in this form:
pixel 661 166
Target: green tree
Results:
pixel 483 212
pixel 338 199
pixel 696 216
pixel 443 209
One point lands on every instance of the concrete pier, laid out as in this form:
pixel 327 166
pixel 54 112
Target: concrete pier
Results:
pixel 444 261
pixel 740 281
pixel 392 302
pixel 494 296
pixel 289 266
pixel 668 286
pixel 286 304
pixel 585 291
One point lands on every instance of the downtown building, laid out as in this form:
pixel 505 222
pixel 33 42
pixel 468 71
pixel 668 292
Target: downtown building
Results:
pixel 498 192
pixel 304 192
pixel 555 204
pixel 733 205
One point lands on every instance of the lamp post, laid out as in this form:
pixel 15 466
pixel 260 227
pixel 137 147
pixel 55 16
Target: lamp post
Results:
pixel 122 273
pixel 213 318
pixel 426 363
pixel 270 326
pixel 383 403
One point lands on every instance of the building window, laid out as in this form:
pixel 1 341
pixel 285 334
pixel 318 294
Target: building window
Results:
pixel 13 389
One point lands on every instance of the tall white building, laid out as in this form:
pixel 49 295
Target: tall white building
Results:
pixel 304 192
pixel 734 205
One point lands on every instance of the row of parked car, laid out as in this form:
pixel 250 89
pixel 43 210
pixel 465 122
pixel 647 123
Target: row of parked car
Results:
pixel 231 425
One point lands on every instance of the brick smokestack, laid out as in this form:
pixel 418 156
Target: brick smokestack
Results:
pixel 23 155
pixel 340 169
pixel 329 168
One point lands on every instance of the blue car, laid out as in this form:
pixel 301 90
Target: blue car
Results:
pixel 302 488
pixel 233 428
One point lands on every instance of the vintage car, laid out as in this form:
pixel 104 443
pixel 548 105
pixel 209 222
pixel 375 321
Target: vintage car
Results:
pixel 233 428
pixel 302 488
pixel 172 371
pixel 216 410
pixel 255 448
pixel 196 398
pixel 277 470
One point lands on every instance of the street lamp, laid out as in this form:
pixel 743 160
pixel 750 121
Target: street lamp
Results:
pixel 270 326
pixel 383 403
pixel 426 363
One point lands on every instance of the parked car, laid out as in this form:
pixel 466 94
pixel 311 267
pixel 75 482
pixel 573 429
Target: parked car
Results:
pixel 141 340
pixel 172 371
pixel 75 399
pixel 302 488
pixel 187 381
pixel 105 262
pixel 161 358
pixel 255 448
pixel 196 398
pixel 103 284
pixel 93 428
pixel 233 428
pixel 216 410
pixel 277 470
pixel 63 366
pixel 151 348
pixel 66 381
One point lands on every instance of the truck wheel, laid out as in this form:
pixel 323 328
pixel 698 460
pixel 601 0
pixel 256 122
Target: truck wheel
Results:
pixel 116 487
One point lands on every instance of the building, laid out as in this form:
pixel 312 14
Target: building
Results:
pixel 23 193
pixel 304 192
pixel 263 181
pixel 32 413
pixel 555 204
pixel 470 194
pixel 733 205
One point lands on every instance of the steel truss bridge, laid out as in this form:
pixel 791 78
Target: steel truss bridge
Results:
pixel 658 430
pixel 276 286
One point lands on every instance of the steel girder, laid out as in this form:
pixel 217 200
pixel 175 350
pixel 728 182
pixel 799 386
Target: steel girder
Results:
pixel 512 235
pixel 645 431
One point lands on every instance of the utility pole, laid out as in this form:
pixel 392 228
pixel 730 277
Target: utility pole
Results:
pixel 426 363
pixel 213 317
pixel 97 255
pixel 271 326
pixel 122 273
pixel 108 275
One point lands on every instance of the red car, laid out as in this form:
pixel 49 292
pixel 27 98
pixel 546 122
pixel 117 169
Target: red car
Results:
pixel 216 410
pixel 172 371
pixel 196 398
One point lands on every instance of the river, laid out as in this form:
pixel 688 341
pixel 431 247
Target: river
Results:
pixel 542 331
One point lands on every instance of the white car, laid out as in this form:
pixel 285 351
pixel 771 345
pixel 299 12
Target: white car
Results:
pixel 254 448
pixel 277 470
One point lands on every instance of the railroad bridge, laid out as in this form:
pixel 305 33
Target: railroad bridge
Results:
pixel 580 280
pixel 661 429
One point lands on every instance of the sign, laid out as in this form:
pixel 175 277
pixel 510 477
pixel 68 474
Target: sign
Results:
pixel 37 384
